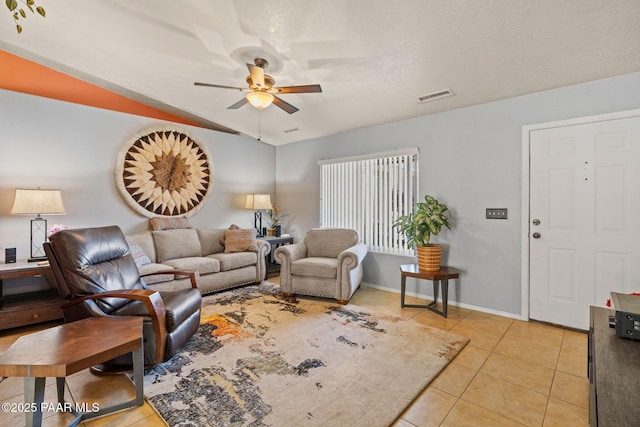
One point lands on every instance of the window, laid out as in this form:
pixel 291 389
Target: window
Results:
pixel 368 194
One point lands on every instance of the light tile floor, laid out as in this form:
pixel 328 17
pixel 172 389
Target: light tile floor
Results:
pixel 512 373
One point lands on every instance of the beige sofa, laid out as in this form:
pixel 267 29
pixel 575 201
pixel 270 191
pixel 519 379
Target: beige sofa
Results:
pixel 196 250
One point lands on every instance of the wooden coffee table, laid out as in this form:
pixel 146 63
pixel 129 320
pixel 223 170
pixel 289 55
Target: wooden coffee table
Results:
pixel 69 348
pixel 441 277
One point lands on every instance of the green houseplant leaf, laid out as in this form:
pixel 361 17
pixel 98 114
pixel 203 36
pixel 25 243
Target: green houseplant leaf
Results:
pixel 17 14
pixel 11 4
pixel 428 219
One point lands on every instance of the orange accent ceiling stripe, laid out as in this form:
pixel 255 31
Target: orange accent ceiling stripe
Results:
pixel 21 75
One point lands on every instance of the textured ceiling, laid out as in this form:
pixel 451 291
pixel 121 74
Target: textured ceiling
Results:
pixel 373 58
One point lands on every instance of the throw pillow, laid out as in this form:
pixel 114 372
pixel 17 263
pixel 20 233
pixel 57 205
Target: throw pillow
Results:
pixel 240 240
pixel 139 255
pixel 158 224
pixel 231 227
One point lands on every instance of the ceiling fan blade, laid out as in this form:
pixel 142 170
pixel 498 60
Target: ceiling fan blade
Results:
pixel 284 105
pixel 297 89
pixel 257 75
pixel 221 86
pixel 238 104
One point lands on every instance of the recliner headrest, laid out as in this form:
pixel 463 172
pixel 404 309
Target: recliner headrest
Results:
pixel 94 260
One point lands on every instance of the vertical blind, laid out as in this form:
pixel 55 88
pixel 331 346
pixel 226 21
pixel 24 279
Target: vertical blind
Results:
pixel 368 194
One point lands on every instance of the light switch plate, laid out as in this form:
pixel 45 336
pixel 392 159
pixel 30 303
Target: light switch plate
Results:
pixel 496 213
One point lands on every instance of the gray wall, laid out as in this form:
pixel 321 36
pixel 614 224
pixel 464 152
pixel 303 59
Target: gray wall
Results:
pixel 52 144
pixel 470 159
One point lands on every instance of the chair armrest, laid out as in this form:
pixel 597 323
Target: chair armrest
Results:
pixel 350 269
pixel 152 302
pixel 290 253
pixel 352 256
pixel 285 255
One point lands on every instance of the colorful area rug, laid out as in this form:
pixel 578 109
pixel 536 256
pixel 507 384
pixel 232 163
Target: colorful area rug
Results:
pixel 258 360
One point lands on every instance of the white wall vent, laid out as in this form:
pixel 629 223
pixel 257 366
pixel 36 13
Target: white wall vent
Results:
pixel 436 95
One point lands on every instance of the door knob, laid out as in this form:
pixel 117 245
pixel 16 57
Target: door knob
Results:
pixel 536 235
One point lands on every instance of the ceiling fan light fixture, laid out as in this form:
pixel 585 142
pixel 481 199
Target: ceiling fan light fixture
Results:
pixel 261 88
pixel 260 100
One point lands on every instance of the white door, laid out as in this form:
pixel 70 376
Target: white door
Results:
pixel 584 216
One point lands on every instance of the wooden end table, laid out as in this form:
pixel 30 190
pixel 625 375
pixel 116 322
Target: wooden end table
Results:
pixel 441 277
pixel 69 348
pixel 30 307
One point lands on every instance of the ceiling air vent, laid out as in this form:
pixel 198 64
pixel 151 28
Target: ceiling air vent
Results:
pixel 291 130
pixel 435 95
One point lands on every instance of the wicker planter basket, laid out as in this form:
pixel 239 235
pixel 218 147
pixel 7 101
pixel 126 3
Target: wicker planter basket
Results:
pixel 429 257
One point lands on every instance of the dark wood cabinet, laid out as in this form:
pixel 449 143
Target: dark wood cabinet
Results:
pixel 614 374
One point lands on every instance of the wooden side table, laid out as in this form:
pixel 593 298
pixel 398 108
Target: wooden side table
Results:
pixel 441 277
pixel 30 307
pixel 69 348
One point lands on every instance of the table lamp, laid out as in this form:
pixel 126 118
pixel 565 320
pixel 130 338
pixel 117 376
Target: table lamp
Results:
pixel 258 202
pixel 38 202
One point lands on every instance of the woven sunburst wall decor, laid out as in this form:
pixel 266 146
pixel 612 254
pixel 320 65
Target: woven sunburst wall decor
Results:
pixel 164 172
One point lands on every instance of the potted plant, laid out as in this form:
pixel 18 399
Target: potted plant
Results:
pixel 274 216
pixel 428 219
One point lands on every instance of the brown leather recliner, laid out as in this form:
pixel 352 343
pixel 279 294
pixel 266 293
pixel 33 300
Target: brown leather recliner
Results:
pixel 96 276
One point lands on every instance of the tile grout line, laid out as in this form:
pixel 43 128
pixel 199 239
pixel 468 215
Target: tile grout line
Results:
pixel 480 368
pixel 553 377
pixel 458 398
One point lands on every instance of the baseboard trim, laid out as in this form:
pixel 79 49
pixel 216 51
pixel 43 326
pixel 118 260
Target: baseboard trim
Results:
pixel 451 302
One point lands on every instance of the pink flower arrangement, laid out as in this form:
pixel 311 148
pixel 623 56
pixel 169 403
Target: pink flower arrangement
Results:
pixel 53 229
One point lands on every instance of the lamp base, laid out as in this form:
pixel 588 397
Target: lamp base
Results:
pixel 38 237
pixel 257 224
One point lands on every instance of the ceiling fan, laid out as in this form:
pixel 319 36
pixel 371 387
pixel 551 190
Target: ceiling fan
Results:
pixel 262 93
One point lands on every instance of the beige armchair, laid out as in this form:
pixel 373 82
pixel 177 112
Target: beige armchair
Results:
pixel 327 264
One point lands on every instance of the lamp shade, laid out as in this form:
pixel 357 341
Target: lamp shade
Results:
pixel 35 202
pixel 260 100
pixel 258 201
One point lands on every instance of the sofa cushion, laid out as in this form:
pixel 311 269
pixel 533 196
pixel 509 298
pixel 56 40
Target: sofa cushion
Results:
pixel 240 240
pixel 200 264
pixel 155 278
pixel 329 242
pixel 235 260
pixel 180 243
pixel 316 267
pixel 159 224
pixel 210 241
